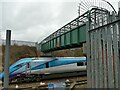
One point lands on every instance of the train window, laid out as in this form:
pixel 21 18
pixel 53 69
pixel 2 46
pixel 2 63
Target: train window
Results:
pixel 80 64
pixel 85 63
pixel 47 65
pixel 20 65
pixel 28 65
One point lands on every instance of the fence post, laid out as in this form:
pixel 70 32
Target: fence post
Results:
pixel 88 53
pixel 7 59
pixel 0 53
pixel 119 51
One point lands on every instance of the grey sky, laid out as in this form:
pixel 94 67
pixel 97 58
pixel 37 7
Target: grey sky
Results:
pixel 33 20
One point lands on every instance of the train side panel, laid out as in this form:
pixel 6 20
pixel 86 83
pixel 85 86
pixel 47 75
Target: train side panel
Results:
pixel 63 69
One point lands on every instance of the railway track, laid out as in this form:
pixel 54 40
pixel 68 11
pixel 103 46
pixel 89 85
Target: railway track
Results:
pixel 48 76
pixel 70 82
pixel 72 85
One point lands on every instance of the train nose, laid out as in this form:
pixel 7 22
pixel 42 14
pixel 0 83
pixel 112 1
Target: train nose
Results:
pixel 1 76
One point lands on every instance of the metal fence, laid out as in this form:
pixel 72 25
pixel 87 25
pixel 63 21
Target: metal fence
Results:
pixel 20 43
pixel 103 36
pixel 0 53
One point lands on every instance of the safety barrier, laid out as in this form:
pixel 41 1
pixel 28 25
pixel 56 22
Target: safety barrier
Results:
pixel 103 40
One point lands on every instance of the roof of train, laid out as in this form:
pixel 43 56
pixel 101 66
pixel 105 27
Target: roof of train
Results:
pixel 69 60
pixel 24 60
pixel 61 61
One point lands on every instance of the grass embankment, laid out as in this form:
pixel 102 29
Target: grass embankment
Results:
pixel 76 52
pixel 19 52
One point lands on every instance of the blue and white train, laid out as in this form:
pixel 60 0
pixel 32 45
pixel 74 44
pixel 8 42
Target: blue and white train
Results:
pixel 41 66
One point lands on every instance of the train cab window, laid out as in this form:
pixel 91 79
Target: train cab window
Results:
pixel 47 65
pixel 28 65
pixel 18 66
pixel 80 64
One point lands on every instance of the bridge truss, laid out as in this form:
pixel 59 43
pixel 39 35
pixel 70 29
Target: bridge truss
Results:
pixel 74 30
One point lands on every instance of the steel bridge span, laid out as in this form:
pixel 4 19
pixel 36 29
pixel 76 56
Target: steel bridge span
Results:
pixel 71 35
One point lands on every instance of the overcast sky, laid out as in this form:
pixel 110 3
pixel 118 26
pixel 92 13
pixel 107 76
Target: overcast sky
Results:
pixel 33 20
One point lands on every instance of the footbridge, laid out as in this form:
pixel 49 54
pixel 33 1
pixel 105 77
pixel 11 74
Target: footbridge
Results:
pixel 72 34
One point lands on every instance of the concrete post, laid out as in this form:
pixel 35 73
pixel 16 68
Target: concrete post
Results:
pixel 7 59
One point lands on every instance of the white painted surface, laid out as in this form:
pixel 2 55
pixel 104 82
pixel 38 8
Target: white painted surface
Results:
pixel 60 69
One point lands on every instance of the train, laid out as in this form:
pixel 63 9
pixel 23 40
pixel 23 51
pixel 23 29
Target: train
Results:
pixel 37 67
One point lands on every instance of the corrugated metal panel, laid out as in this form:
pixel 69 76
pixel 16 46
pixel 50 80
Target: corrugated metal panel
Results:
pixel 54 43
pixel 74 36
pixel 58 42
pixel 62 40
pixel 67 39
pixel 82 34
pixel 48 45
pixel 43 46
